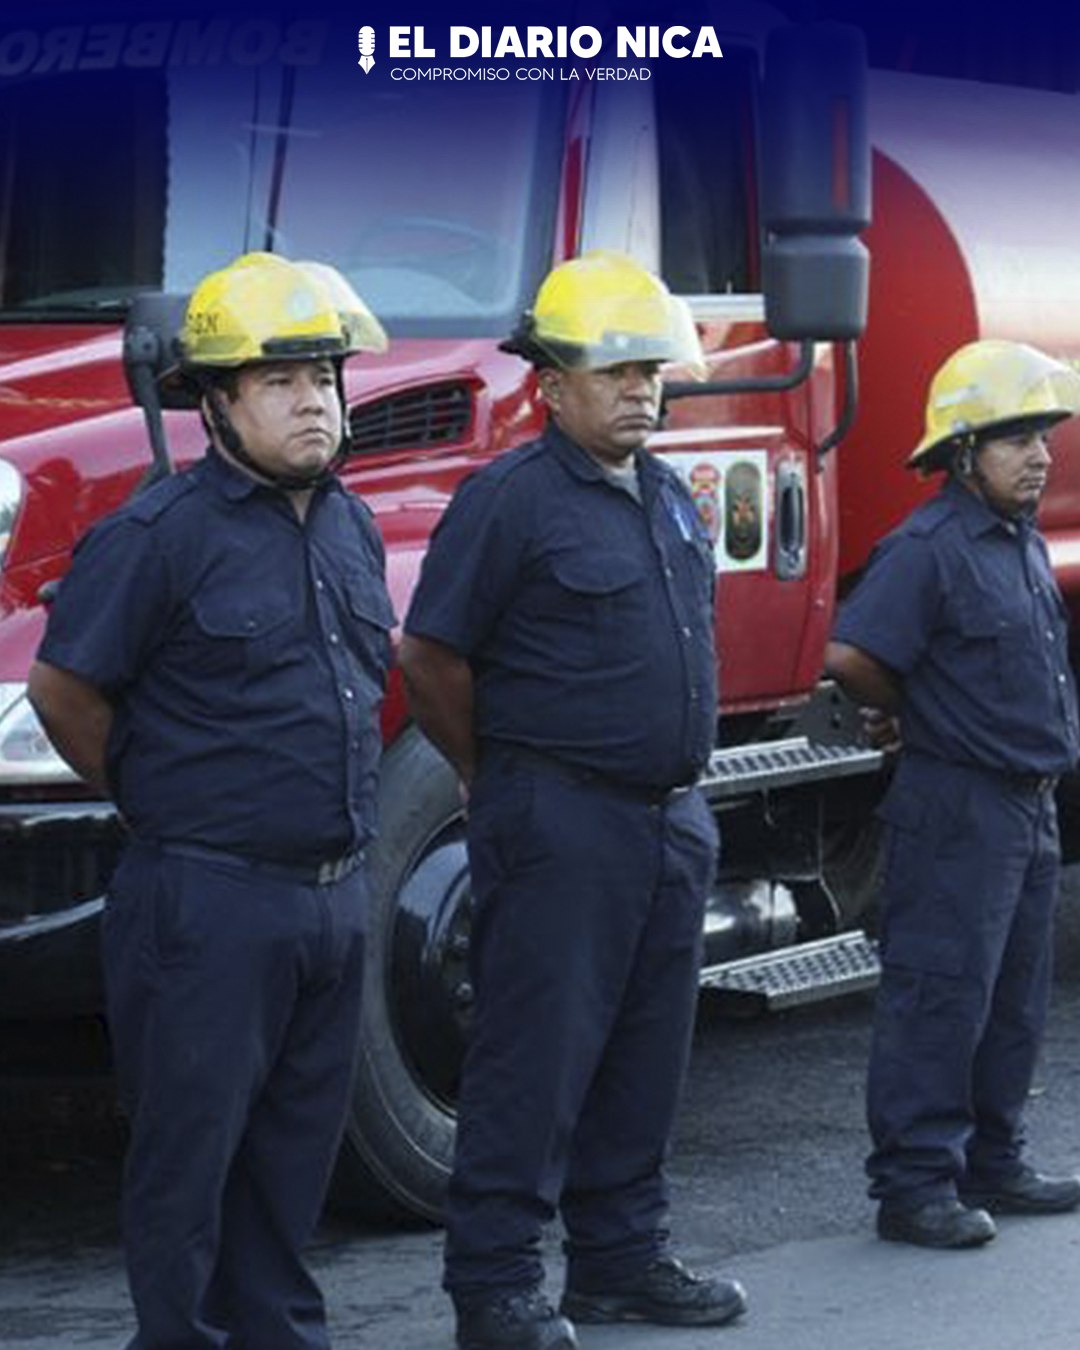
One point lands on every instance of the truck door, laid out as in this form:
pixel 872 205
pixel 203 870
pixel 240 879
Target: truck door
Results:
pixel 670 178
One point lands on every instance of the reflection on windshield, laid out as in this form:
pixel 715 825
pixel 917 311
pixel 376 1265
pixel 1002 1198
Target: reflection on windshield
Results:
pixel 436 202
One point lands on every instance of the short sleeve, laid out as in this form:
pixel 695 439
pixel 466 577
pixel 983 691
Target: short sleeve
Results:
pixel 894 609
pixel 471 566
pixel 111 606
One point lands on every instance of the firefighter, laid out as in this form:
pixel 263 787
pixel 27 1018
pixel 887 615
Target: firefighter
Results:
pixel 559 651
pixel 958 629
pixel 214 661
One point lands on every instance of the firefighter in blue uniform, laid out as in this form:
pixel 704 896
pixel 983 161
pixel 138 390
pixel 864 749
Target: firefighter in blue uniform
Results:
pixel 958 630
pixel 214 661
pixel 559 650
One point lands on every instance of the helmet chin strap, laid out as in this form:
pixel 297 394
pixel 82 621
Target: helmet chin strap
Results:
pixel 967 468
pixel 288 482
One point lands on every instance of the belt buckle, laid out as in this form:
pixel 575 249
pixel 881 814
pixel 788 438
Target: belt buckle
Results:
pixel 336 868
pixel 331 871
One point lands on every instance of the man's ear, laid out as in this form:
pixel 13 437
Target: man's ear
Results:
pixel 550 382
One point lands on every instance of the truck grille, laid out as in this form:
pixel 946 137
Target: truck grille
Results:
pixel 420 419
pixel 54 857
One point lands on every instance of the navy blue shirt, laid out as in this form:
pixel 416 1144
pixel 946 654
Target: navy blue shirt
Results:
pixel 586 616
pixel 962 604
pixel 245 653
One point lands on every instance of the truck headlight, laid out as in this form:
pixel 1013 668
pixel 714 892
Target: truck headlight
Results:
pixel 11 495
pixel 26 753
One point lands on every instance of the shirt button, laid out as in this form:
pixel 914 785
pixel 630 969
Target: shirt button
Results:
pixel 348 693
pixel 320 585
pixel 686 632
pixel 1061 679
pixel 334 639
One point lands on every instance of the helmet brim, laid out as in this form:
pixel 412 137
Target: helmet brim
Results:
pixel 936 456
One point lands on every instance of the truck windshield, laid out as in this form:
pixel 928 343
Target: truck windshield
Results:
pixel 437 203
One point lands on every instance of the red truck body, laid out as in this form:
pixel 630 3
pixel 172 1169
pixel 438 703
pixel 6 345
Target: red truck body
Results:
pixel 793 520
pixel 975 200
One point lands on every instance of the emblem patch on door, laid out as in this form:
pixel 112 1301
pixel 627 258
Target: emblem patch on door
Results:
pixel 730 491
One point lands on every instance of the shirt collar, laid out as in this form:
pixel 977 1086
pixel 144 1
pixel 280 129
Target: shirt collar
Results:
pixel 581 464
pixel 976 517
pixel 236 485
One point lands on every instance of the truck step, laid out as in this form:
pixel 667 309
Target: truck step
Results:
pixel 775 764
pixel 802 974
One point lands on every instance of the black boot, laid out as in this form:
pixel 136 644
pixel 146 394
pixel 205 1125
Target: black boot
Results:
pixel 520 1319
pixel 937 1223
pixel 665 1293
pixel 1023 1192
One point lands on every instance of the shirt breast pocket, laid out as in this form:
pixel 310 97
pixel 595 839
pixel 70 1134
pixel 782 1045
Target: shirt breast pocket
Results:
pixel 997 643
pixel 600 600
pixel 237 635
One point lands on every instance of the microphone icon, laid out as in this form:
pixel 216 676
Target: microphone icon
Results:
pixel 366 44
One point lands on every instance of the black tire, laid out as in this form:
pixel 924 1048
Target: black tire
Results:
pixel 396 1154
pixel 852 855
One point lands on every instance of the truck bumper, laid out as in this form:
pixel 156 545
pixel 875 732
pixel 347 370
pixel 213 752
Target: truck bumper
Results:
pixel 55 862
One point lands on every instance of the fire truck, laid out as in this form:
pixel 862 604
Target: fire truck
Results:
pixel 135 157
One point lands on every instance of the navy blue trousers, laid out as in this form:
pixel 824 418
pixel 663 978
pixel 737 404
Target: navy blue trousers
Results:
pixel 586 949
pixel 234 1008
pixel 970 888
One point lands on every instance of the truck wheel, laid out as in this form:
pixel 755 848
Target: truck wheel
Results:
pixel 852 868
pixel 852 856
pixel 395 1158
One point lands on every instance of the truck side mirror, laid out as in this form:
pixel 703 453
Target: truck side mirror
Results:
pixel 153 321
pixel 815 182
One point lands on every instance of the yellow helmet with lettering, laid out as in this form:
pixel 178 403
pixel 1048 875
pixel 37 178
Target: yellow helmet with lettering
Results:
pixel 992 387
pixel 605 309
pixel 262 307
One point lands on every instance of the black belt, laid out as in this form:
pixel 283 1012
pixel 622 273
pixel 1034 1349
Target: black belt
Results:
pixel 647 794
pixel 304 874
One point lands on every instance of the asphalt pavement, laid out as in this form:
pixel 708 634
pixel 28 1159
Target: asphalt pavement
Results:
pixel 767 1183
pixel 856 1293
pixel 837 1293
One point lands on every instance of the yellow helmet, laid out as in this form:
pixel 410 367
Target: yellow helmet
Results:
pixel 261 307
pixel 604 309
pixel 363 331
pixel 992 385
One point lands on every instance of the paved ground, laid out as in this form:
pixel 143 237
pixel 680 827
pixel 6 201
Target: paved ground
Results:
pixel 842 1293
pixel 767 1181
